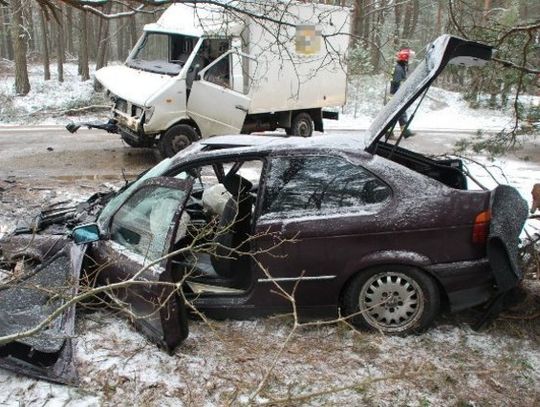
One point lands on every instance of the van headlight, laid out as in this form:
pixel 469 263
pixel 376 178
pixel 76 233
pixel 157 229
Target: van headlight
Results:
pixel 148 113
pixel 136 111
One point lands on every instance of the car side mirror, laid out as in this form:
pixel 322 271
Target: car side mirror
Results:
pixel 86 233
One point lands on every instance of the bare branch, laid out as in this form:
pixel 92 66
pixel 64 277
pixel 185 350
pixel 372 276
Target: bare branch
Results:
pixel 510 64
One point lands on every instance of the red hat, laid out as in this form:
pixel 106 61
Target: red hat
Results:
pixel 403 55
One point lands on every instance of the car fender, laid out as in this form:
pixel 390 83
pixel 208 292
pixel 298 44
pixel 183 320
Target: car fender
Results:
pixel 404 257
pixel 162 124
pixel 388 257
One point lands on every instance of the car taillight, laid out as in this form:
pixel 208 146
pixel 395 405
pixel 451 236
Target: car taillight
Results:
pixel 481 227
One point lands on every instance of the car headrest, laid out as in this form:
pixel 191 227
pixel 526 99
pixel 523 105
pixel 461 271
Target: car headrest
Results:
pixel 236 184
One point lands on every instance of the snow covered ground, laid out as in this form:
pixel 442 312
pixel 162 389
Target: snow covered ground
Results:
pixel 42 106
pixel 441 109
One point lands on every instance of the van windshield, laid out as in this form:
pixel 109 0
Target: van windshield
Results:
pixel 162 53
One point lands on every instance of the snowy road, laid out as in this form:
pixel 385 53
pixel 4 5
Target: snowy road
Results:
pixel 51 151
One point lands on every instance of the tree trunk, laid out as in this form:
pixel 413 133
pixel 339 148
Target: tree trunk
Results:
pixel 3 45
pixel 103 39
pixel 366 22
pixel 28 22
pixel 438 22
pixel 44 35
pixel 83 48
pixel 69 31
pixel 120 50
pixel 133 31
pixel 22 84
pixel 60 53
pixel 356 29
pixel 410 20
pixel 376 46
pixel 397 25
pixel 8 42
pixel 51 30
pixel 93 32
pixel 414 18
pixel 487 7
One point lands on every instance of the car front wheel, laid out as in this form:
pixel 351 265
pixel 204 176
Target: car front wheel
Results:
pixel 176 139
pixel 392 300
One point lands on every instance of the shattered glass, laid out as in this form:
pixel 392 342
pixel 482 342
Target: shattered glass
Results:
pixel 142 223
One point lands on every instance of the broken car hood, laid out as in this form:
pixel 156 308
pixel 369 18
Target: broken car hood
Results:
pixel 134 85
pixel 444 50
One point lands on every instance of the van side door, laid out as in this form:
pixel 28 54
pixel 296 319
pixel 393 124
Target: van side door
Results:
pixel 220 97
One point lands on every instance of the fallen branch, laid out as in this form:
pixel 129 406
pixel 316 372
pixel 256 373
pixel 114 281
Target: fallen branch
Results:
pixel 69 111
pixel 355 386
pixel 522 317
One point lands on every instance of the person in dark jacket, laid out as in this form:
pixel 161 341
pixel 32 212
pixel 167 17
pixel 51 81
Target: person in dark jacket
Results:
pixel 400 74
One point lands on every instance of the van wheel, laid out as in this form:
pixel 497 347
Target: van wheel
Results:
pixel 175 139
pixel 301 125
pixel 392 299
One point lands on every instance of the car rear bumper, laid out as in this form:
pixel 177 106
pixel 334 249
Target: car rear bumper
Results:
pixel 466 283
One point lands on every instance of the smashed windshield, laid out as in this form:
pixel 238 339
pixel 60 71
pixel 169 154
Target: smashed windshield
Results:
pixel 162 53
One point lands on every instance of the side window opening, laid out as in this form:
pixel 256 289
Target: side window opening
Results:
pixel 220 210
pixel 210 194
pixel 181 48
pixel 220 73
pixel 321 185
pixel 210 50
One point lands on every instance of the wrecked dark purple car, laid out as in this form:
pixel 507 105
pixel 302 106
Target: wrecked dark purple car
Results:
pixel 373 231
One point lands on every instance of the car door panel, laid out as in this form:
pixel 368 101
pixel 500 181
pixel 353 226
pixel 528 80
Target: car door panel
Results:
pixel 321 221
pixel 150 299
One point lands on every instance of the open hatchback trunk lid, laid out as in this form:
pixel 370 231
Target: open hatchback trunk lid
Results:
pixel 444 50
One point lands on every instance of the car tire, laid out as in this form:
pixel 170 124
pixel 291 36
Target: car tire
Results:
pixel 301 125
pixel 414 300
pixel 176 139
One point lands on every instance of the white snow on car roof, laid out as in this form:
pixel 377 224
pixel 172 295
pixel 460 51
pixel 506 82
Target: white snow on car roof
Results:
pixel 352 141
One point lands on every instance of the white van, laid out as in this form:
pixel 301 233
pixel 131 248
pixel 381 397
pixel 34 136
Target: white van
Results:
pixel 206 70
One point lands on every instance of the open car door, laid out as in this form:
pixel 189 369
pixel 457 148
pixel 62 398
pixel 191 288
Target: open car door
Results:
pixel 219 100
pixel 144 229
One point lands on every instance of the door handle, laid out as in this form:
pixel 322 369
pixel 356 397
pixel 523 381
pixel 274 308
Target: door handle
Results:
pixel 242 108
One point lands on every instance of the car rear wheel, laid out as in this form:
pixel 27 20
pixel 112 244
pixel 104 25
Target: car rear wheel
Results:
pixel 175 139
pixel 392 300
pixel 301 125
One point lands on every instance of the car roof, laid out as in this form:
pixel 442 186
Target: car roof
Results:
pixel 352 143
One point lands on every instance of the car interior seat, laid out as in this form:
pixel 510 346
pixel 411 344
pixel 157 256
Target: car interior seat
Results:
pixel 214 199
pixel 233 231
